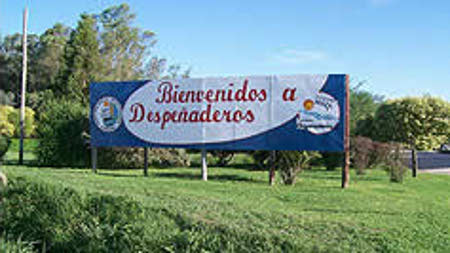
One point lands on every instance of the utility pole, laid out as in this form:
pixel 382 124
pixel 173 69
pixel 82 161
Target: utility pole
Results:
pixel 24 83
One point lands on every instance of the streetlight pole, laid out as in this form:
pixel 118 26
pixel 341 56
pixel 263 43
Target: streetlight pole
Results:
pixel 24 83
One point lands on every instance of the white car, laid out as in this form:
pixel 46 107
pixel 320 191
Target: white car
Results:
pixel 445 148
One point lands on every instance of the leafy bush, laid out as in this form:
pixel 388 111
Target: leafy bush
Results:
pixel 223 157
pixel 332 160
pixel 60 130
pixel 120 158
pixel 4 145
pixel 169 157
pixel 369 154
pixel 361 150
pixel 133 158
pixel 37 100
pixel 380 152
pixel 6 127
pixel 10 121
pixel 394 164
pixel 30 125
pixel 261 159
pixel 290 163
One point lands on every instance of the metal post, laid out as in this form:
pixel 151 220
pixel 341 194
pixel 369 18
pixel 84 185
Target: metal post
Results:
pixel 24 84
pixel 204 166
pixel 414 162
pixel 94 159
pixel 346 165
pixel 272 167
pixel 145 162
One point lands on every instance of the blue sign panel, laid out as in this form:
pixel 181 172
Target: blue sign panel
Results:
pixel 295 112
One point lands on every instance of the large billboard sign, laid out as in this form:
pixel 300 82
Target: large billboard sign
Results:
pixel 294 112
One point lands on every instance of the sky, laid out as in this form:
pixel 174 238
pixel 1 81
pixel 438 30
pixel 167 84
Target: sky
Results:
pixel 398 47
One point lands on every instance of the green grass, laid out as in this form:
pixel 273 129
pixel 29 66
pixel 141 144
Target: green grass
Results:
pixel 14 246
pixel 314 215
pixel 237 205
pixel 29 145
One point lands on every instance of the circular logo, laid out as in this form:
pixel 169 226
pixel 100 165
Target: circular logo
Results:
pixel 319 115
pixel 108 114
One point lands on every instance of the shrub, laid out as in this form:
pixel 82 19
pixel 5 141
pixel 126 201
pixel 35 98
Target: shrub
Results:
pixel 6 127
pixel 361 150
pixel 223 157
pixel 10 121
pixel 368 154
pixel 60 130
pixel 290 163
pixel 171 157
pixel 133 158
pixel 4 145
pixel 332 160
pixel 261 159
pixel 120 158
pixel 30 125
pixel 394 164
pixel 380 153
pixel 38 99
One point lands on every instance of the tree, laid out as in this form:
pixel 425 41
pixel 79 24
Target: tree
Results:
pixel 82 60
pixel 44 59
pixel 50 57
pixel 11 63
pixel 6 98
pixel 124 48
pixel 419 122
pixel 363 106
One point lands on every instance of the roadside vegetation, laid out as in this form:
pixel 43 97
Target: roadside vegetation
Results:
pixel 173 210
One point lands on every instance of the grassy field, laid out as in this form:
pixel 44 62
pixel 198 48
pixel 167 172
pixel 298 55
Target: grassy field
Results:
pixel 315 215
pixel 12 156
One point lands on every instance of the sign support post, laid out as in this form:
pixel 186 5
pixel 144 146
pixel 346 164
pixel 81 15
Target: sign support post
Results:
pixel 346 165
pixel 145 162
pixel 272 167
pixel 204 166
pixel 94 159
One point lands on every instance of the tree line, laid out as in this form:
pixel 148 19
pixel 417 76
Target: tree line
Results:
pixel 64 60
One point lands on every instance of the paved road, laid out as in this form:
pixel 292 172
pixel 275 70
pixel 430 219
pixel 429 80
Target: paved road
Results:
pixel 433 162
